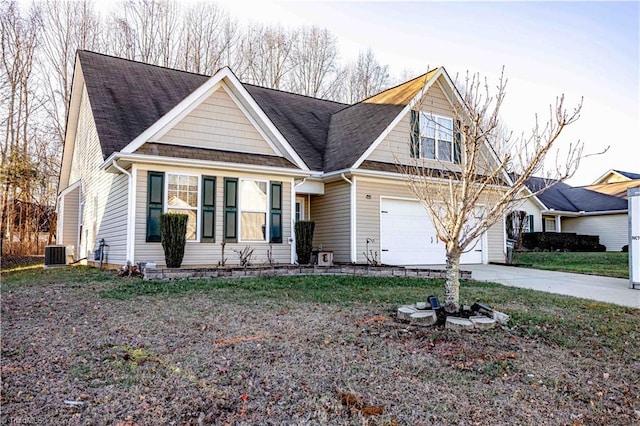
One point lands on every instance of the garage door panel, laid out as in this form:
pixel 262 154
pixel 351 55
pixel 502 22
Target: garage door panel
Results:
pixel 407 236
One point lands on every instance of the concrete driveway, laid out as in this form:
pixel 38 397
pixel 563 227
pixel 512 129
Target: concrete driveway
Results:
pixel 604 289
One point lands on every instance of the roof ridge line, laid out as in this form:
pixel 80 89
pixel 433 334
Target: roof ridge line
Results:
pixel 143 63
pixel 293 93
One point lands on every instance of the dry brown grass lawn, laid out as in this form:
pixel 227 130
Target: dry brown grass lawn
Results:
pixel 189 357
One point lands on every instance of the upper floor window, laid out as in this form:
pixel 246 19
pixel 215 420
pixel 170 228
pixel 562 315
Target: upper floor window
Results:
pixel 434 137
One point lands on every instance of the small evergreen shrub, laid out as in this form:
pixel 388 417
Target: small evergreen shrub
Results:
pixel 173 234
pixel 304 240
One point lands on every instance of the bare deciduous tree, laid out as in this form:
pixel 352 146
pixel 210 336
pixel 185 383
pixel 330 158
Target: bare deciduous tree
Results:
pixel 146 30
pixel 18 164
pixel 209 38
pixel 70 25
pixel 461 169
pixel 315 63
pixel 266 53
pixel 365 77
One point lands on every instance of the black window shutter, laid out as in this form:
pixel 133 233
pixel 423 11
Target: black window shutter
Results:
pixel 208 209
pixel 155 205
pixel 276 212
pixel 230 209
pixel 415 134
pixel 457 148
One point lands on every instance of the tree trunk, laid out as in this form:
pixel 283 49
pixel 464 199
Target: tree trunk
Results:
pixel 452 282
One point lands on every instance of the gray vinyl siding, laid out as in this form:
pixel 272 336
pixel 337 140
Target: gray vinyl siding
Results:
pixel 113 226
pixel 209 254
pixel 218 123
pixel 612 229
pixel 103 195
pixel 70 205
pixel 331 213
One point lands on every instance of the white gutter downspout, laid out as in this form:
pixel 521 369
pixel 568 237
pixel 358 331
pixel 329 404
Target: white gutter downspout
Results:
pixel 130 231
pixel 352 238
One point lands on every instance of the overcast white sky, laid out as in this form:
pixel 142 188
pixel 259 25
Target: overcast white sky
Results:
pixel 580 49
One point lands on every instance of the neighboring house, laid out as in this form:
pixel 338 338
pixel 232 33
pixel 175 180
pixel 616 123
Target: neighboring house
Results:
pixel 563 208
pixel 616 183
pixel 245 162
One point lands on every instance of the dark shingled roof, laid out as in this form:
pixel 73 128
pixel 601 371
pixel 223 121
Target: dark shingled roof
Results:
pixel 355 128
pixel 127 97
pixel 193 153
pixel 563 197
pixel 629 175
pixel 303 121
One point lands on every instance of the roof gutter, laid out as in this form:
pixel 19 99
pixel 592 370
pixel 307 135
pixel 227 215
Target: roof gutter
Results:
pixel 582 213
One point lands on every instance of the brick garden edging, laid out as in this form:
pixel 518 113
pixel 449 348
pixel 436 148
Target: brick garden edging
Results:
pixel 283 270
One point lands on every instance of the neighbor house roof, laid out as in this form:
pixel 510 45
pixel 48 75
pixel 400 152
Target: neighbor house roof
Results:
pixel 629 175
pixel 563 197
pixel 127 97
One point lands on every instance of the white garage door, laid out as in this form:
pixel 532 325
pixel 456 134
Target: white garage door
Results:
pixel 407 236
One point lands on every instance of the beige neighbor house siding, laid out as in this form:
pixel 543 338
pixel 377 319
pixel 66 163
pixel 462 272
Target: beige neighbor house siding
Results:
pixel 612 229
pixel 368 194
pixel 331 213
pixel 103 195
pixel 207 253
pixel 531 209
pixel 218 123
pixel 495 242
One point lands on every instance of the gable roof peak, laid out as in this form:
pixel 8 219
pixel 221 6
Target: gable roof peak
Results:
pixel 403 93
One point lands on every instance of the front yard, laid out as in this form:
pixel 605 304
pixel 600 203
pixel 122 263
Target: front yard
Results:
pixel 608 264
pixel 80 346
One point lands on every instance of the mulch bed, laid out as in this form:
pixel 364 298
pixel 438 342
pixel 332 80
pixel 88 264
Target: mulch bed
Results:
pixel 71 357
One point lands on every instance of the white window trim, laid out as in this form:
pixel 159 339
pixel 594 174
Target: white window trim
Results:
pixel 434 117
pixel 302 201
pixel 267 231
pixel 198 208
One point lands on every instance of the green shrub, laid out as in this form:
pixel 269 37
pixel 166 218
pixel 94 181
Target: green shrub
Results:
pixel 561 241
pixel 304 240
pixel 173 234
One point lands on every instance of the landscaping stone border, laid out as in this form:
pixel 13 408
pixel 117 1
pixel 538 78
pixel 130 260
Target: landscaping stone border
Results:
pixel 282 270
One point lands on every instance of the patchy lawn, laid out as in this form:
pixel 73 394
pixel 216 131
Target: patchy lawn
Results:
pixel 608 263
pixel 80 346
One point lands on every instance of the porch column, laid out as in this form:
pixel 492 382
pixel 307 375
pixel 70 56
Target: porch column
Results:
pixel 558 224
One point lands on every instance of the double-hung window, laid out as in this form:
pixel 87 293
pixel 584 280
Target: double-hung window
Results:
pixel 253 210
pixel 182 197
pixel 436 137
pixel 188 194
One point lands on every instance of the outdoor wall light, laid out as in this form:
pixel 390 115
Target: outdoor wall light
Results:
pixel 368 197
